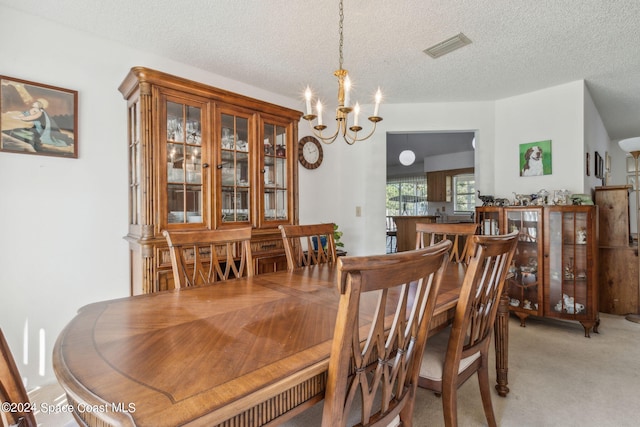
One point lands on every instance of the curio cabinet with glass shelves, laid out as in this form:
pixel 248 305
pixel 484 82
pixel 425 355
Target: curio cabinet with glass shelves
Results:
pixel 571 268
pixel 554 272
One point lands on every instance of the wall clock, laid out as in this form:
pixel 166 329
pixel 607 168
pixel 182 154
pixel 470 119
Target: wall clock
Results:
pixel 309 152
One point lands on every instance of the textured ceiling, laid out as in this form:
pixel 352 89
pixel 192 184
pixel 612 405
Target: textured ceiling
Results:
pixel 519 46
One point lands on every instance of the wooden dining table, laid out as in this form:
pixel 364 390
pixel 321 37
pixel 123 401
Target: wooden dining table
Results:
pixel 241 353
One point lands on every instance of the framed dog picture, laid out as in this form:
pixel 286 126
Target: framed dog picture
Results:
pixel 535 158
pixel 38 119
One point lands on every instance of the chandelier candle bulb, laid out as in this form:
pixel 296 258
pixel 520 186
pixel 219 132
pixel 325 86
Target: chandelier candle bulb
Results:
pixel 319 110
pixel 347 89
pixel 378 99
pixel 307 97
pixel 356 111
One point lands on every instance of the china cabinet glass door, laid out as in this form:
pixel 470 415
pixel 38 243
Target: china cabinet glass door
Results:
pixel 275 203
pixel 525 282
pixel 568 262
pixel 234 166
pixel 184 202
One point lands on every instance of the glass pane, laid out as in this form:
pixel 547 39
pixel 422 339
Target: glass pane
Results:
pixel 235 176
pixel 556 267
pixel 281 204
pixel 194 130
pixel 193 164
pixel 175 171
pixel 175 122
pixel 525 281
pixel 175 201
pixel 269 204
pixel 275 172
pixel 281 173
pixel 193 203
pixel 184 163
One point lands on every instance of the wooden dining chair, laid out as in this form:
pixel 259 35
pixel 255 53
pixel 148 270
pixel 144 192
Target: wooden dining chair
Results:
pixel 375 353
pixel 12 390
pixel 200 257
pixel 458 352
pixel 459 233
pixel 386 305
pixel 309 244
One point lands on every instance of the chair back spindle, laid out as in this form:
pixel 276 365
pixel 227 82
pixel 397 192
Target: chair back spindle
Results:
pixel 200 257
pixel 310 244
pixel 459 234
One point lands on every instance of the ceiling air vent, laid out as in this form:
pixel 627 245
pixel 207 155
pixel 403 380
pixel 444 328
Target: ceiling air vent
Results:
pixel 449 45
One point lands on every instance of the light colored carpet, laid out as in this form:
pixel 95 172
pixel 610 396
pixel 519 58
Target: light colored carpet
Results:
pixel 557 377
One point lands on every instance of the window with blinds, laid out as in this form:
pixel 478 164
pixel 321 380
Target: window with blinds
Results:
pixel 464 193
pixel 407 195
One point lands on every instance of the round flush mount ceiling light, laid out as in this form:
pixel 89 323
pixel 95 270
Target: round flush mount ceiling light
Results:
pixel 407 157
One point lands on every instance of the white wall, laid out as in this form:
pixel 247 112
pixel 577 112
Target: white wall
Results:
pixel 554 114
pixel 596 138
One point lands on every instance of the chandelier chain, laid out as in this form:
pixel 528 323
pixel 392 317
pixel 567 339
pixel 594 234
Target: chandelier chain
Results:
pixel 349 133
pixel 340 32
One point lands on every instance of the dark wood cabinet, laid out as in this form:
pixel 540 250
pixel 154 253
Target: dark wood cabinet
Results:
pixel 440 184
pixel 437 188
pixel 618 270
pixel 205 158
pixel 554 272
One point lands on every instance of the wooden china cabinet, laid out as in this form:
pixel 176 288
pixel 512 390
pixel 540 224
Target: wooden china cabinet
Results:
pixel 204 158
pixel 554 272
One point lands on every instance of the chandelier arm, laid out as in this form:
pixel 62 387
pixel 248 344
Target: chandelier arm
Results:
pixel 353 136
pixel 325 139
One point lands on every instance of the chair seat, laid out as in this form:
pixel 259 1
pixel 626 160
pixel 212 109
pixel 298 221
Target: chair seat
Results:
pixel 434 355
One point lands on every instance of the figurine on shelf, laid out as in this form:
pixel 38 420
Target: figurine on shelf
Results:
pixel 281 151
pixel 543 197
pixel 501 202
pixel 581 236
pixel 522 200
pixel 486 199
pixel 568 270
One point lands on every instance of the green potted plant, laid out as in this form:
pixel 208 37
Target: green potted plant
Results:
pixel 336 237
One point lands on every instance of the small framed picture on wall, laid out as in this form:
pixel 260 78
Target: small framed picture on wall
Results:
pixel 38 119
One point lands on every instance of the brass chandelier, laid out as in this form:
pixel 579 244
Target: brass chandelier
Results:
pixel 349 133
